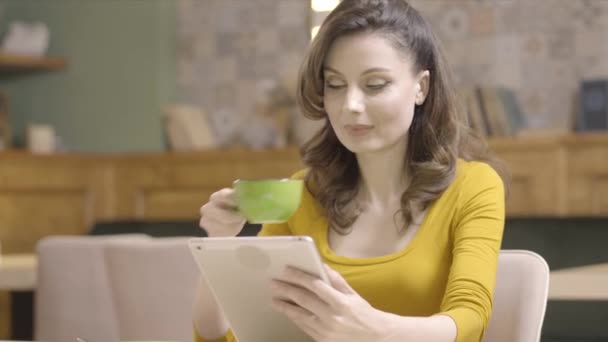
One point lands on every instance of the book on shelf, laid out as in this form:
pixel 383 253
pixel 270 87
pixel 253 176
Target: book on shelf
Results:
pixel 473 111
pixel 512 108
pixel 492 111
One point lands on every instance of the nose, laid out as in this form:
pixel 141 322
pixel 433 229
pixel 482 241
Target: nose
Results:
pixel 354 102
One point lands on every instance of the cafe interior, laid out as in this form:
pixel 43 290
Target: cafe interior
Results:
pixel 119 119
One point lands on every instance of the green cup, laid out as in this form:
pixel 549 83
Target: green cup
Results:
pixel 268 200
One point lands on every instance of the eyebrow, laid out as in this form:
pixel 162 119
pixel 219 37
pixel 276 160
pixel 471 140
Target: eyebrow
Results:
pixel 368 71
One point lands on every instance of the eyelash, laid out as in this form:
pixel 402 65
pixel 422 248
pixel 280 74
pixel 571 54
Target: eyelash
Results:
pixel 375 87
pixel 330 86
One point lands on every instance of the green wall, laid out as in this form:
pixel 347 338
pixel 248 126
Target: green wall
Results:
pixel 121 71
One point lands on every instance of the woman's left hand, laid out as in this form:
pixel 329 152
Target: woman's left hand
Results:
pixel 328 312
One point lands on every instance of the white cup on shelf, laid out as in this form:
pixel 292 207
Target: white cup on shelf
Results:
pixel 41 139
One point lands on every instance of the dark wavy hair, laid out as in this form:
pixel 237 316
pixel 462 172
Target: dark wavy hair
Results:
pixel 439 133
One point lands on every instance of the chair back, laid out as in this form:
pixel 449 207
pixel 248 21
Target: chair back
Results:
pixel 153 284
pixel 520 297
pixel 73 297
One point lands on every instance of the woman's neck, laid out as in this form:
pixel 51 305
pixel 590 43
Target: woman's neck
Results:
pixel 383 175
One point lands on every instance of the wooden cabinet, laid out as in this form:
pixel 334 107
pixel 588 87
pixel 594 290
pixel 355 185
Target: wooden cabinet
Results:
pixel 48 195
pixel 66 194
pixel 538 176
pixel 587 176
pixel 557 176
pixel 175 186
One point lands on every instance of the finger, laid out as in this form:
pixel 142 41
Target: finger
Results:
pixel 300 297
pixel 222 215
pixel 337 281
pixel 303 319
pixel 224 198
pixel 211 225
pixel 313 284
pixel 213 221
pixel 208 224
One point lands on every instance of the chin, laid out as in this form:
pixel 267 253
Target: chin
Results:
pixel 371 145
pixel 364 146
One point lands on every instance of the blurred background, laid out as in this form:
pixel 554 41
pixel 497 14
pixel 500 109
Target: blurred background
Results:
pixel 124 116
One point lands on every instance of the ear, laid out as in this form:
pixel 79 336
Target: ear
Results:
pixel 423 85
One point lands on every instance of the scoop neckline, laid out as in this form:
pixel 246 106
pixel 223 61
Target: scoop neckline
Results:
pixel 328 253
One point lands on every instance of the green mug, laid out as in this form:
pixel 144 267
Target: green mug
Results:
pixel 268 200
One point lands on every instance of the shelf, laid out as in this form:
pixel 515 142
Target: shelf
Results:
pixel 10 63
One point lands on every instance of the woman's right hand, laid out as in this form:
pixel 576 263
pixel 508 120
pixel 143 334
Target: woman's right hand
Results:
pixel 220 217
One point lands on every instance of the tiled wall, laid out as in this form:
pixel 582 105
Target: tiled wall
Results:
pixel 226 47
pixel 539 48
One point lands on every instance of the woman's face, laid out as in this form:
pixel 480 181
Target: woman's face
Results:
pixel 370 92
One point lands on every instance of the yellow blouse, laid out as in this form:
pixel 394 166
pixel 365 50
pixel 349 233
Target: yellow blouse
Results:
pixel 448 268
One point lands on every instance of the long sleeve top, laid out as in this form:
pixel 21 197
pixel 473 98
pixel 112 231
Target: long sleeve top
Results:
pixel 449 266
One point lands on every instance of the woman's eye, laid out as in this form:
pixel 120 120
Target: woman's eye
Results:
pixel 334 85
pixel 377 86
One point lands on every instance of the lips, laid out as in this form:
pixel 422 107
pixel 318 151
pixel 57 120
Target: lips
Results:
pixel 358 130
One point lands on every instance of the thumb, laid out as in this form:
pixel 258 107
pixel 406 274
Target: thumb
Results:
pixel 337 281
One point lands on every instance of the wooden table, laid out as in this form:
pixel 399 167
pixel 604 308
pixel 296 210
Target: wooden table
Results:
pixel 18 273
pixel 580 283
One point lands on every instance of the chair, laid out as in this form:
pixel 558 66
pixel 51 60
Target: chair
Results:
pixel 153 284
pixel 72 293
pixel 115 287
pixel 520 297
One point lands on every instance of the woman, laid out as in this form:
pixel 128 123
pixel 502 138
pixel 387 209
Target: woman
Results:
pixel 401 201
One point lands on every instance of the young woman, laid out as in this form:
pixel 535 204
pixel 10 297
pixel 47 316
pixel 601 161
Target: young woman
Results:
pixel 400 197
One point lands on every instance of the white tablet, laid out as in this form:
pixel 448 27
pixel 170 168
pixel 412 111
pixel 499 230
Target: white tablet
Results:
pixel 239 270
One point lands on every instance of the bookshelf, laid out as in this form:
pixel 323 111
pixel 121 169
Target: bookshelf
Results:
pixel 11 66
pixel 10 63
